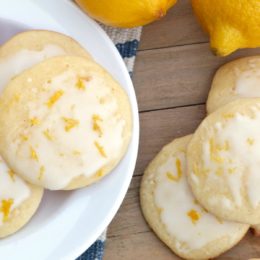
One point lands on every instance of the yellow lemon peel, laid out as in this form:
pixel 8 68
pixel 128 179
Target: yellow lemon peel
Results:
pixel 70 123
pixel 126 13
pixel 250 141
pixel 11 174
pixel 54 98
pixel 34 155
pixel 193 215
pixel 34 121
pixel 96 127
pixel 100 149
pixel 215 149
pixel 48 135
pixel 80 84
pixel 24 137
pixel 41 173
pixel 6 208
pixel 100 173
pixel 231 24
pixel 177 177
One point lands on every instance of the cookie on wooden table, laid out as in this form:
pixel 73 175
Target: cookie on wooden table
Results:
pixel 65 123
pixel 224 161
pixel 18 201
pixel 174 214
pixel 237 79
pixel 31 47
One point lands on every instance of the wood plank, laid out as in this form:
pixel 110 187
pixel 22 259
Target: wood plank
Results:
pixel 145 246
pixel 129 216
pixel 178 27
pixel 160 127
pixel 177 76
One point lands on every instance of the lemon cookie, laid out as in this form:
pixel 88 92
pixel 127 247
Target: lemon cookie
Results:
pixel 174 214
pixel 224 161
pixel 237 79
pixel 31 47
pixel 65 123
pixel 18 201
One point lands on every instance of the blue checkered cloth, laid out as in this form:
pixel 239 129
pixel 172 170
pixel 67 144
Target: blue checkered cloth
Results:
pixel 126 41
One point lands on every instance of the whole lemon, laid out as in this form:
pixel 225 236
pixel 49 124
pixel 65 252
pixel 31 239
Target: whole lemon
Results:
pixel 231 24
pixel 126 13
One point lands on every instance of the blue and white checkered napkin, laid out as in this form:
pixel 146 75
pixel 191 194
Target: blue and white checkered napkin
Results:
pixel 126 41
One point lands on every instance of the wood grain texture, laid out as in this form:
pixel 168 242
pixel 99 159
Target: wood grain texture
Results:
pixel 178 27
pixel 177 76
pixel 161 127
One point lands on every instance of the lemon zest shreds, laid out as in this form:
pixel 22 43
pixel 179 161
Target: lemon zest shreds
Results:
pixel 48 135
pixel 228 116
pixel 250 141
pixel 5 208
pixel 54 98
pixel 34 121
pixel 214 149
pixel 100 149
pixel 193 215
pixel 80 84
pixel 96 127
pixel 41 172
pixel 11 174
pixel 70 123
pixel 24 137
pixel 34 155
pixel 100 173
pixel 177 177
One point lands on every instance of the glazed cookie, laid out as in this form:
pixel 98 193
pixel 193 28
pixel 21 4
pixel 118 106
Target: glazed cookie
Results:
pixel 174 214
pixel 31 47
pixel 237 79
pixel 224 161
pixel 18 201
pixel 64 124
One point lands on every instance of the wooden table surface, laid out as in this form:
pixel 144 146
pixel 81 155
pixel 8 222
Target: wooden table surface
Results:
pixel 172 77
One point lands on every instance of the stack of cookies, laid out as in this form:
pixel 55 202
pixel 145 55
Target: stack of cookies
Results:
pixel 201 192
pixel 65 123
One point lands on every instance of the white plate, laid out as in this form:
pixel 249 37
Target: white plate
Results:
pixel 67 223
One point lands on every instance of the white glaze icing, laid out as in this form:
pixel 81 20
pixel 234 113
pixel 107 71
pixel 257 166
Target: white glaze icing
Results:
pixel 12 188
pixel 240 163
pixel 24 59
pixel 175 201
pixel 69 153
pixel 226 203
pixel 248 82
pixel 213 167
